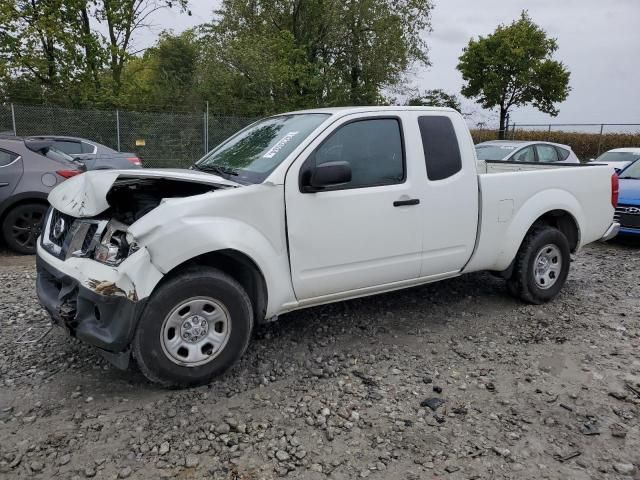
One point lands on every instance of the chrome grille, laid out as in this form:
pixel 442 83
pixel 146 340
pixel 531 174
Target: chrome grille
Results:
pixel 628 216
pixel 65 236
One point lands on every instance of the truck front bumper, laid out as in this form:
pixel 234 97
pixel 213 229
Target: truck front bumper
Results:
pixel 86 298
pixel 611 232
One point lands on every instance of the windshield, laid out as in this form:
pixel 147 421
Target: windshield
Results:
pixel 494 152
pixel 618 157
pixel 632 171
pixel 253 153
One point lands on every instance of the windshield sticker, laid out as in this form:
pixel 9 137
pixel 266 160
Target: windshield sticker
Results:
pixel 280 145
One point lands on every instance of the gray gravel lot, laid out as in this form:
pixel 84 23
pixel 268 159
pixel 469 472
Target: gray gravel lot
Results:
pixel 451 380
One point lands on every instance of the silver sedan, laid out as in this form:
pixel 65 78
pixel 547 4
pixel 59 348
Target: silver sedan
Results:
pixel 524 151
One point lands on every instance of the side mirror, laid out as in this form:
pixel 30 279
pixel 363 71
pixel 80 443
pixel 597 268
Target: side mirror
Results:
pixel 326 175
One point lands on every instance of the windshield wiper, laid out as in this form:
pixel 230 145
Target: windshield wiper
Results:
pixel 217 169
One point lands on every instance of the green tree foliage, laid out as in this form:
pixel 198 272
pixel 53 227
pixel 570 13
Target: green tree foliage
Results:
pixel 253 58
pixel 165 75
pixel 435 98
pixel 269 55
pixel 54 49
pixel 513 67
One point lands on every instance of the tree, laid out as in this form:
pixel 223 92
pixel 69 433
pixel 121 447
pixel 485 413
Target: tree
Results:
pixel 165 75
pixel 513 67
pixel 436 98
pixel 271 55
pixel 36 46
pixel 57 47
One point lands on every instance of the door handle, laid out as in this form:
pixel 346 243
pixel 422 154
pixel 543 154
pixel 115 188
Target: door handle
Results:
pixel 403 203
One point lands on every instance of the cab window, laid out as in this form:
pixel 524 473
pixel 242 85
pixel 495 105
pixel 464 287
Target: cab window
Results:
pixel 372 147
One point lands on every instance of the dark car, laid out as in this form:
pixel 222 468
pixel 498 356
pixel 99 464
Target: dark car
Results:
pixel 93 154
pixel 29 169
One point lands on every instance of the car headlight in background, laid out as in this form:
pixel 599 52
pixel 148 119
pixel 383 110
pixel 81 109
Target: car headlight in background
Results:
pixel 116 244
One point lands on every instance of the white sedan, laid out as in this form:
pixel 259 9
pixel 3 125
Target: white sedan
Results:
pixel 619 158
pixel 525 151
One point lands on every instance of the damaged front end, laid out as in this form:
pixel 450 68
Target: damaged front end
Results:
pixel 94 277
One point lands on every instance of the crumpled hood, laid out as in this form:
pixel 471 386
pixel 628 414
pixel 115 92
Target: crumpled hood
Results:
pixel 629 191
pixel 85 195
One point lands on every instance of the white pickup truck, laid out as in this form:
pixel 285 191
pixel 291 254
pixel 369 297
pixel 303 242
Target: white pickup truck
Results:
pixel 175 267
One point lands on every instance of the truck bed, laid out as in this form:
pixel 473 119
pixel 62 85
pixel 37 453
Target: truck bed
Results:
pixel 513 195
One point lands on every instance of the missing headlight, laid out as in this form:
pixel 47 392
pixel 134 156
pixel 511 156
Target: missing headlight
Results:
pixel 113 247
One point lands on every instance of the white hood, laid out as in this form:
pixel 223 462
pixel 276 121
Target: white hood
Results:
pixel 85 195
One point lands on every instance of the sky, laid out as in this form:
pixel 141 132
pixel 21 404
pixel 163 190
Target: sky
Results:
pixel 599 42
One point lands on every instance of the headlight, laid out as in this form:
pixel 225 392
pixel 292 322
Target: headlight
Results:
pixel 116 244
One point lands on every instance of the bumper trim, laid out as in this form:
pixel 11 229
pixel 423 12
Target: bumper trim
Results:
pixel 611 232
pixel 104 321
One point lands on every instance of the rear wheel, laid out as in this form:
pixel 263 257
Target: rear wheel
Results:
pixel 22 226
pixel 542 266
pixel 194 327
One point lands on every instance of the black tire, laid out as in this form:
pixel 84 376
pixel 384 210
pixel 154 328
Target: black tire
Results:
pixel 150 353
pixel 22 226
pixel 522 283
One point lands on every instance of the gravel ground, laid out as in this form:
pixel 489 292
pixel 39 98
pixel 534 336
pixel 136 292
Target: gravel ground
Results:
pixel 451 380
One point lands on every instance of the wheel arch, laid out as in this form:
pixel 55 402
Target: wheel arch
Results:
pixel 237 265
pixel 553 207
pixel 563 221
pixel 20 199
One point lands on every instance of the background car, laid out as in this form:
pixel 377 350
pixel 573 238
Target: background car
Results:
pixel 525 151
pixel 29 169
pixel 93 154
pixel 618 158
pixel 628 209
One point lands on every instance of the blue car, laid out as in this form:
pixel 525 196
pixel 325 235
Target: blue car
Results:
pixel 628 210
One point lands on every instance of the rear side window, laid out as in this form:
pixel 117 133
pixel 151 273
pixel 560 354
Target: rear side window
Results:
pixel 68 146
pixel 563 153
pixel 372 147
pixel 6 158
pixel 546 153
pixel 440 145
pixel 87 147
pixel 525 155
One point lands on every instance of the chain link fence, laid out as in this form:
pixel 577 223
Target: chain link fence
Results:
pixel 160 139
pixel 177 139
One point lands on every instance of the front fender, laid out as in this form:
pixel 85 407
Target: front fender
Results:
pixel 249 220
pixel 191 237
pixel 534 208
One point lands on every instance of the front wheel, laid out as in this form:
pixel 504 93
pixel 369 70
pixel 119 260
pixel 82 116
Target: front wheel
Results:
pixel 194 327
pixel 541 266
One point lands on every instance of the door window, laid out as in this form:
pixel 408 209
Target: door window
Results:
pixel 440 146
pixel 6 158
pixel 547 153
pixel 67 146
pixel 373 148
pixel 525 155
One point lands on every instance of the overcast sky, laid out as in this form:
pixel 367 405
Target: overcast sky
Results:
pixel 599 42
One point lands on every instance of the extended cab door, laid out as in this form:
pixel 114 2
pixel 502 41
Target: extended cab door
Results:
pixel 363 233
pixel 449 191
